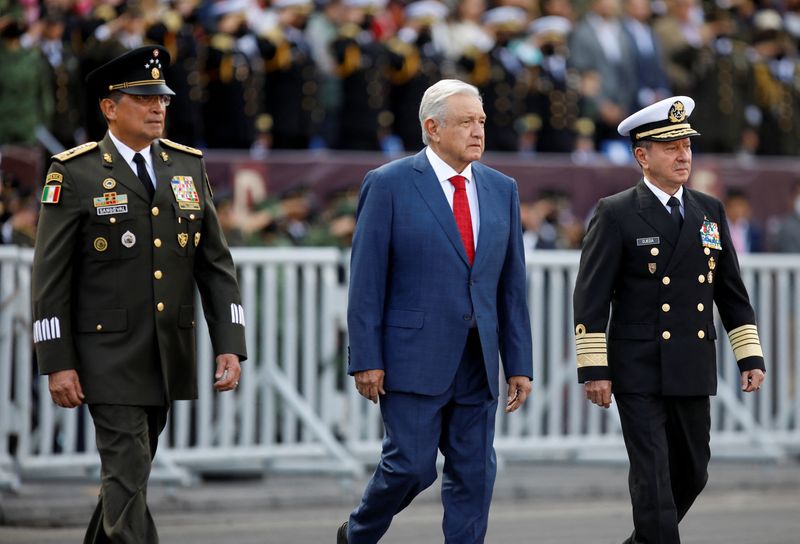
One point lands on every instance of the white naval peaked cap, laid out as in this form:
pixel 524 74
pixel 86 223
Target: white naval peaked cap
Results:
pixel 506 16
pixel 429 10
pixel 664 121
pixel 550 25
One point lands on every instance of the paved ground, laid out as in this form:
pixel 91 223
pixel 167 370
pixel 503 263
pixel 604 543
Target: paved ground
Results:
pixel 544 503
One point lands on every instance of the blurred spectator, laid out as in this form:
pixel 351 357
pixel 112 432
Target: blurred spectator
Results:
pixel 746 237
pixel 652 83
pixel 549 222
pixel 463 34
pixel 682 35
pixel 603 54
pixel 787 237
pixel 26 99
pixel 228 221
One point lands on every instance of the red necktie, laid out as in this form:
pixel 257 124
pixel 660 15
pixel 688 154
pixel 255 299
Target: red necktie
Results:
pixel 463 217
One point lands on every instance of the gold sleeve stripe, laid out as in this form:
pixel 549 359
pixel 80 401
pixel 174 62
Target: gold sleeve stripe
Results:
pixel 596 359
pixel 745 343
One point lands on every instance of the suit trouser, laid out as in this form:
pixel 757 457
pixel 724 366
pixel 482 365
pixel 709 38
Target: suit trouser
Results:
pixel 127 437
pixel 459 423
pixel 667 439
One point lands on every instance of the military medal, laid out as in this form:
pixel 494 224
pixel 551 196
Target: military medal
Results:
pixel 710 276
pixel 128 239
pixel 111 203
pixel 712 264
pixel 185 193
pixel 100 244
pixel 109 183
pixel 651 267
pixel 183 239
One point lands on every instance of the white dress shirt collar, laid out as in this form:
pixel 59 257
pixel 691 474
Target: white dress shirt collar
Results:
pixel 664 197
pixel 443 170
pixel 127 154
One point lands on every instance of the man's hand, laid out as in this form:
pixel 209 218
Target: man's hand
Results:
pixel 599 392
pixel 519 387
pixel 752 380
pixel 228 372
pixel 65 388
pixel 370 383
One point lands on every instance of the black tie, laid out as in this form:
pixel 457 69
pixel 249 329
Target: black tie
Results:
pixel 144 177
pixel 675 211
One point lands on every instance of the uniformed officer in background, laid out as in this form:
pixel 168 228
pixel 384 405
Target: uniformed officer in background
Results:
pixel 659 254
pixel 127 229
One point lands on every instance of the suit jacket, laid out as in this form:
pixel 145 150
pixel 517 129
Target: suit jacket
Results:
pixel 660 284
pixel 413 294
pixel 114 274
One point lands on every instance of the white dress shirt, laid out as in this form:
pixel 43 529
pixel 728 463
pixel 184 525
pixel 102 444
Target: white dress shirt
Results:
pixel 664 197
pixel 443 173
pixel 128 153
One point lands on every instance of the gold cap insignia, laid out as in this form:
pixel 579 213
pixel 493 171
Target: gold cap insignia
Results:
pixel 109 183
pixel 100 244
pixel 677 113
pixel 183 239
pixel 155 73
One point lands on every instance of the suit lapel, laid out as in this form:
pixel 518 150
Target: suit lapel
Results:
pixel 655 214
pixel 431 191
pixel 119 169
pixel 690 232
pixel 487 207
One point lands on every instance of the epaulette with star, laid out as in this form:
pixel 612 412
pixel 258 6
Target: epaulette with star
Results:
pixel 74 152
pixel 181 147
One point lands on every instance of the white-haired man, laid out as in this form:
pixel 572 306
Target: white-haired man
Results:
pixel 437 289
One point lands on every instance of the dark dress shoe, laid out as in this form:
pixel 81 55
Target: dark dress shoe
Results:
pixel 341 534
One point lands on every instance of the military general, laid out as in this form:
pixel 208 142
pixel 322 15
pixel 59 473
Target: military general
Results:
pixel 127 230
pixel 659 256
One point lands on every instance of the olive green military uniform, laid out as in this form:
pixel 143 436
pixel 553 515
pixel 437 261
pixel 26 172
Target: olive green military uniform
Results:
pixel 114 279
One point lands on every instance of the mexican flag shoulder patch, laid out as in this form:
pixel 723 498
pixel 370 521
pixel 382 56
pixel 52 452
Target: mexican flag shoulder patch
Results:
pixel 51 194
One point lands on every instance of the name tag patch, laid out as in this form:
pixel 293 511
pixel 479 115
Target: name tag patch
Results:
pixel 112 210
pixel 185 193
pixel 651 241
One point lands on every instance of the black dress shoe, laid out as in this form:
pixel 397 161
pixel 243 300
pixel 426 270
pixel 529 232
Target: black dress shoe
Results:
pixel 341 534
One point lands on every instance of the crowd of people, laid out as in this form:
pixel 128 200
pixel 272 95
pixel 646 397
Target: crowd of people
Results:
pixel 555 76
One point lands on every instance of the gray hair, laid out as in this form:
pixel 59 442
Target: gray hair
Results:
pixel 434 101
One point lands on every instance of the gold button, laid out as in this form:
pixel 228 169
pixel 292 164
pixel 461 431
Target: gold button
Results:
pixel 706 251
pixel 157 274
pixel 192 322
pixel 665 307
pixel 700 307
pixel 154 211
pixel 654 251
pixel 160 306
pixel 99 327
pixel 191 216
pixel 701 334
pixel 112 220
pixel 701 278
pixel 665 335
pixel 665 280
pixel 157 242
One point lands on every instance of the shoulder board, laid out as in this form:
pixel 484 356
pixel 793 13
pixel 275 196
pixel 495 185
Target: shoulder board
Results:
pixel 181 147
pixel 75 151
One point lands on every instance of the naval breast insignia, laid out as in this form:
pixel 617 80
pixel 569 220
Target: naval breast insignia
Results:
pixel 109 183
pixel 128 239
pixel 651 267
pixel 100 244
pixel 712 264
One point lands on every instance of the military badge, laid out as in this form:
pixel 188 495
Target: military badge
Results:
pixel 710 277
pixel 183 239
pixel 128 239
pixel 51 194
pixel 651 267
pixel 107 158
pixel 100 244
pixel 677 113
pixel 111 203
pixel 109 183
pixel 185 193
pixel 196 239
pixel 54 177
pixel 164 156
pixel 709 235
pixel 712 264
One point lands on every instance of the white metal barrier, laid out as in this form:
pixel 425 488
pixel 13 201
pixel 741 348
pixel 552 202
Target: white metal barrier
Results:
pixel 297 410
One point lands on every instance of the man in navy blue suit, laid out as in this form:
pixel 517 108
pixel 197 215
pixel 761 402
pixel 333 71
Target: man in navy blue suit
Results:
pixel 437 290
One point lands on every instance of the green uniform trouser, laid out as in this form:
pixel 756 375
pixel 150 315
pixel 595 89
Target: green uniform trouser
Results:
pixel 127 437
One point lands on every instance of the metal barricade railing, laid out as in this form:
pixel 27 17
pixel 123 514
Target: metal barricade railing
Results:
pixel 297 410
